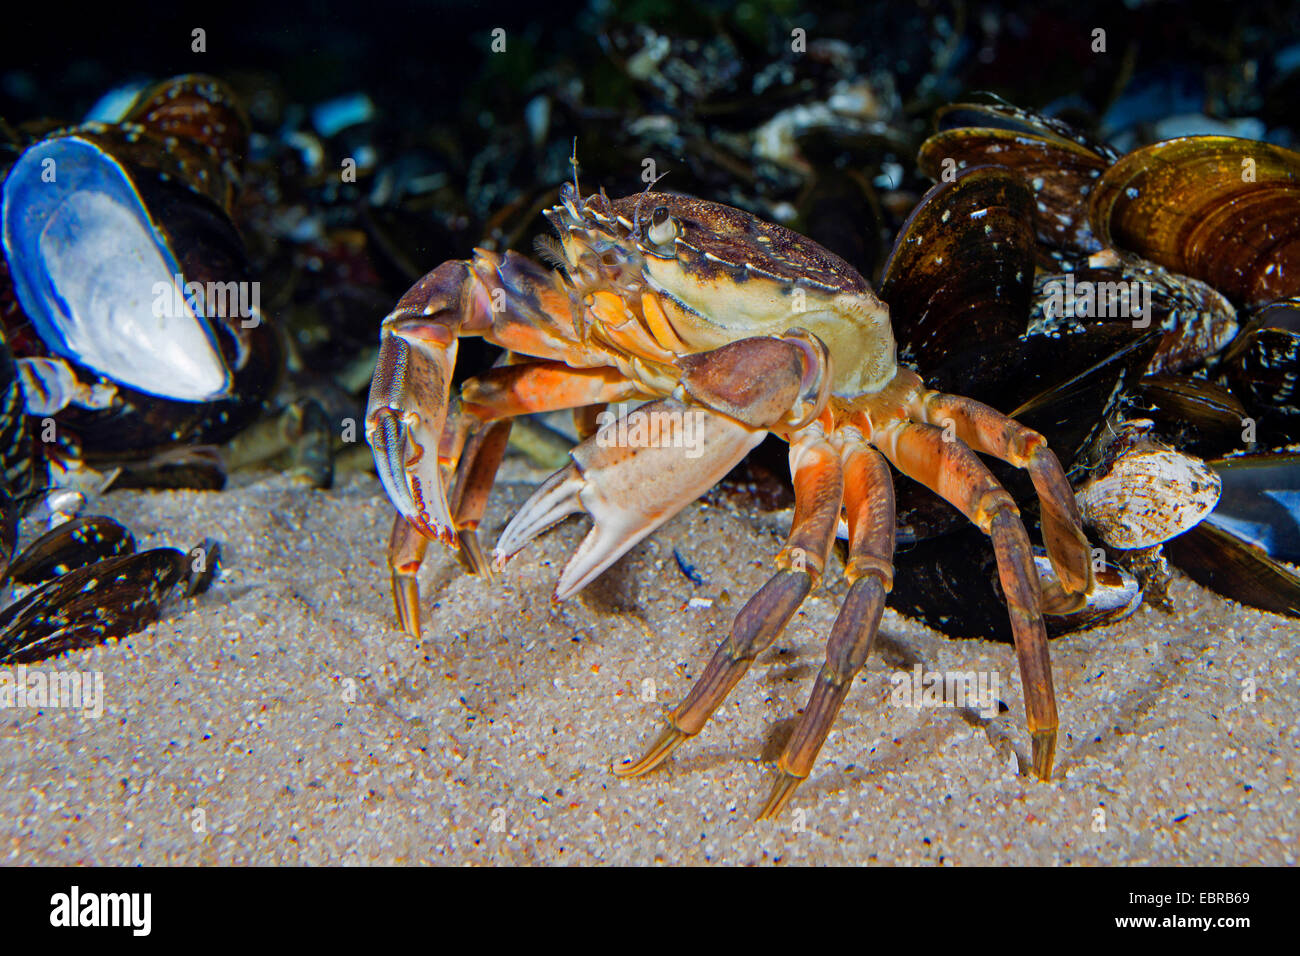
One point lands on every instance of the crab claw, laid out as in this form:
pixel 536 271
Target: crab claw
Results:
pixel 631 476
pixel 409 396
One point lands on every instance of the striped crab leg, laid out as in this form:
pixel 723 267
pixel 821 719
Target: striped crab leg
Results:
pixel 953 471
pixel 989 431
pixel 869 508
pixel 819 487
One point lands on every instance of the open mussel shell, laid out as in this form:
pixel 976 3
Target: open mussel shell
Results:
pixel 95 274
pixel 1220 209
pixel 962 267
pixel 126 264
pixel 73 544
pixel 951 583
pixel 1059 168
pixel 1263 366
pixel 108 599
pixel 95 258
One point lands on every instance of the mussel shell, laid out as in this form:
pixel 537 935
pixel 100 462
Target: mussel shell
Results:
pixel 842 212
pixel 204 129
pixel 73 544
pixel 8 530
pixel 86 250
pixel 203 246
pixel 1217 559
pixel 202 571
pixel 1260 503
pixel 962 268
pixel 1111 286
pixel 1185 204
pixel 196 467
pixel 1263 366
pixel 1060 175
pixel 1197 415
pixel 108 599
pixel 22 469
pixel 1004 116
pixel 175 160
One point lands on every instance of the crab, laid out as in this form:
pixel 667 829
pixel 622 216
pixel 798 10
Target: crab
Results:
pixel 736 328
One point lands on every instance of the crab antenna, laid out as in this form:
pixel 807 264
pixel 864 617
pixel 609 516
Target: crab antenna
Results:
pixel 573 161
pixel 636 212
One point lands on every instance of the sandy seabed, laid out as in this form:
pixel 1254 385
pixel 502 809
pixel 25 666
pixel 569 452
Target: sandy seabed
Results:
pixel 281 717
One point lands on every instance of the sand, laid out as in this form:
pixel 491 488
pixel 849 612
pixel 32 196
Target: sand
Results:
pixel 281 717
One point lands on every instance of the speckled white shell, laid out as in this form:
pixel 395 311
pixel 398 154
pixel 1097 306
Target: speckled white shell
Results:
pixel 1149 496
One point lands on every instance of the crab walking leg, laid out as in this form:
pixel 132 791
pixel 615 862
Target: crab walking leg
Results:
pixel 476 471
pixel 475 475
pixel 471 448
pixel 631 476
pixel 869 507
pixel 406 547
pixel 818 489
pixel 511 390
pixel 952 471
pixel 989 431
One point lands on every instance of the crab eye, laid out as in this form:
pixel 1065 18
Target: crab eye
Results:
pixel 663 227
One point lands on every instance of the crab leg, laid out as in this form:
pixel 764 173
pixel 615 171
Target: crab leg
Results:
pixel 869 506
pixel 819 487
pixel 510 390
pixel 951 470
pixel 631 477
pixel 473 443
pixel 991 432
pixel 406 547
pixel 475 474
